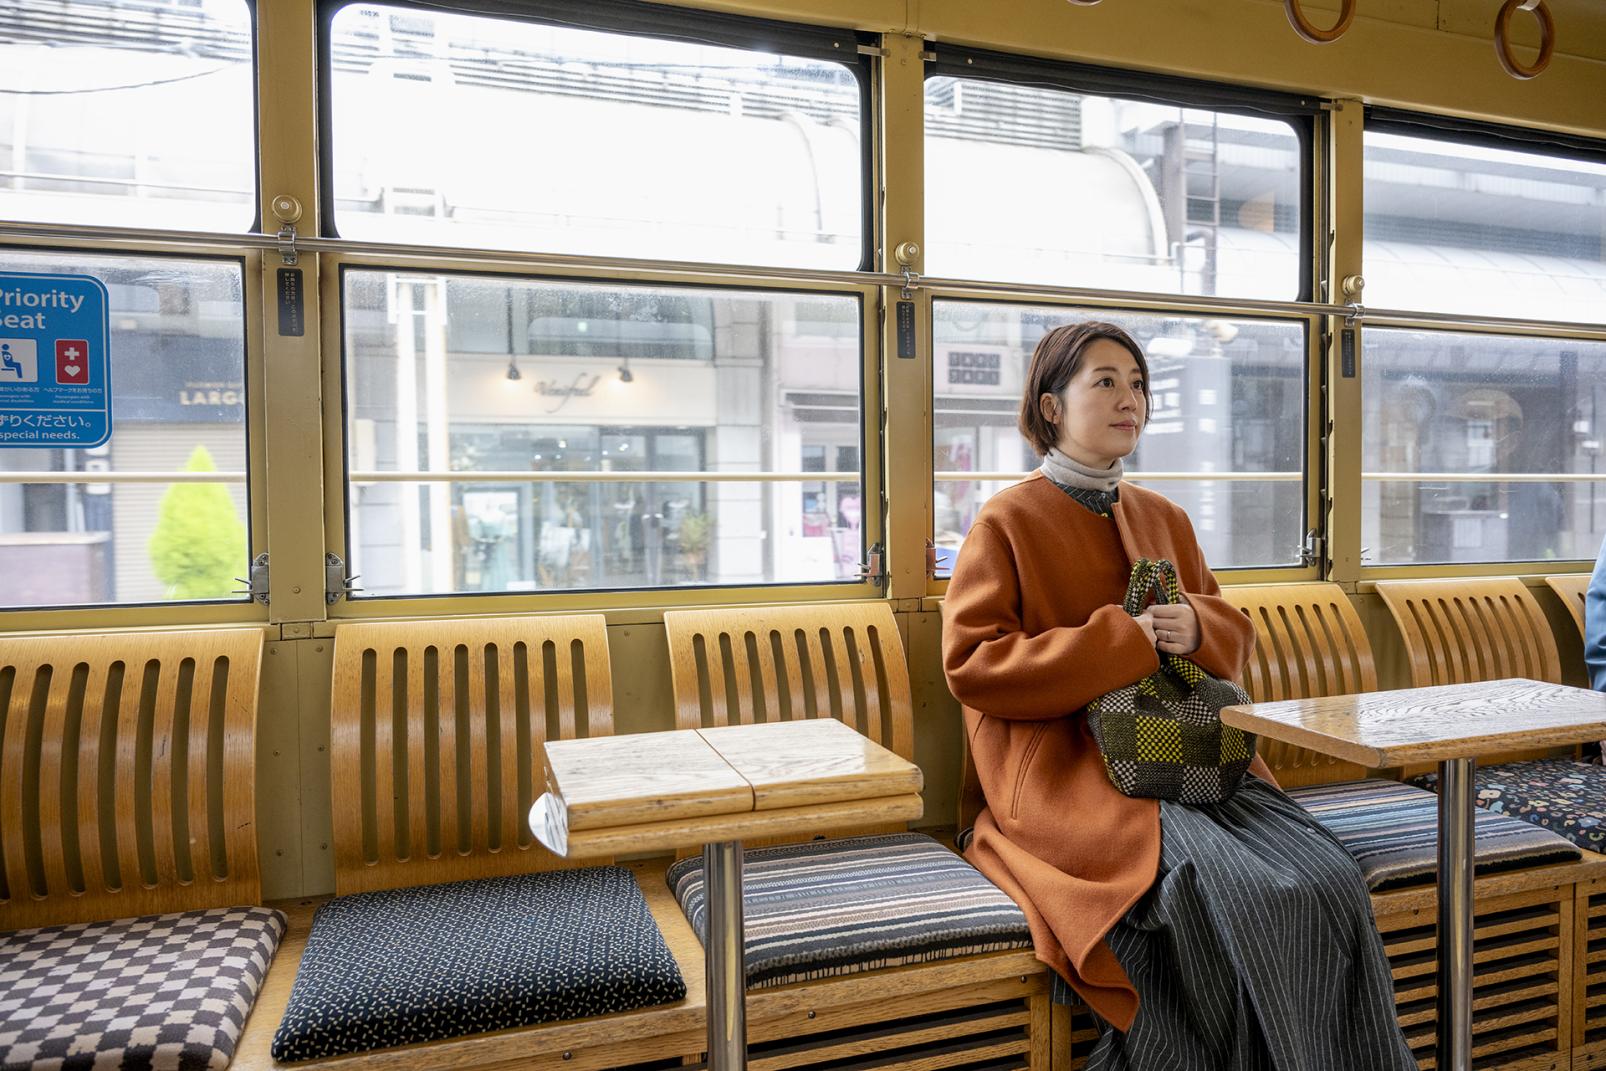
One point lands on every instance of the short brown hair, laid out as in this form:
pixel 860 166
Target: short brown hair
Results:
pixel 1055 362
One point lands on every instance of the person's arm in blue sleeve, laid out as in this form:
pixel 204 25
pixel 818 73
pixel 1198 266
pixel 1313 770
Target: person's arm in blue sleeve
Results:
pixel 1595 625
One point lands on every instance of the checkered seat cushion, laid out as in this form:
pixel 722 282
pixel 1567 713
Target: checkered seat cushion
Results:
pixel 1392 830
pixel 1568 798
pixel 443 961
pixel 158 993
pixel 835 907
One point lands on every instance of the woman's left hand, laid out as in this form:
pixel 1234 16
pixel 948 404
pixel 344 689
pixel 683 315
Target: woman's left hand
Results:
pixel 1176 628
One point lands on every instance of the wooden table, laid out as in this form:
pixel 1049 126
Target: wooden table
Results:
pixel 1450 725
pixel 715 788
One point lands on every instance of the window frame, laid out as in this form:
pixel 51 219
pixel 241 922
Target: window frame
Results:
pixel 650 601
pixel 1313 444
pixel 1457 130
pixel 852 49
pixel 1299 112
pixel 179 612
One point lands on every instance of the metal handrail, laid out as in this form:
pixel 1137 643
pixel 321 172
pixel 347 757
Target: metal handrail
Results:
pixel 760 275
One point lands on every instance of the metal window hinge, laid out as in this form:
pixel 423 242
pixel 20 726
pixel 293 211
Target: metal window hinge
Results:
pixel 1310 552
pixel 335 581
pixel 257 586
pixel 875 570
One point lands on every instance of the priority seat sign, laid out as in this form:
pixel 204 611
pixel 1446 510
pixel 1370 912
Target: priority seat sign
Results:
pixel 55 375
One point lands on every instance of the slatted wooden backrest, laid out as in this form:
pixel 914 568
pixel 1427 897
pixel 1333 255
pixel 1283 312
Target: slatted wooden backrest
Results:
pixel 1473 629
pixel 435 741
pixel 1309 643
pixel 1572 588
pixel 783 663
pixel 127 771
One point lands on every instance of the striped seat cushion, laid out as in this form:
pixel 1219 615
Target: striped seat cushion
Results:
pixel 443 961
pixel 1566 797
pixel 1392 830
pixel 833 907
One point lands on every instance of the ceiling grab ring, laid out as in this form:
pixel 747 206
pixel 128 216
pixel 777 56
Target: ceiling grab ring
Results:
pixel 1084 3
pixel 1547 38
pixel 1315 36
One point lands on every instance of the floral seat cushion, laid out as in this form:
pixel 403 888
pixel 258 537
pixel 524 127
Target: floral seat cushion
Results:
pixel 1566 797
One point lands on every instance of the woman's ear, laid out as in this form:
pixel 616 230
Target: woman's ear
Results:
pixel 1049 406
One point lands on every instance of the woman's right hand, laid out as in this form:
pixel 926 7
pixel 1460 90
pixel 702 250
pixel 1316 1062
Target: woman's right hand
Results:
pixel 1145 622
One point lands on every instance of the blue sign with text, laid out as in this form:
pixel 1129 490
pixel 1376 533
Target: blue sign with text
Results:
pixel 55 375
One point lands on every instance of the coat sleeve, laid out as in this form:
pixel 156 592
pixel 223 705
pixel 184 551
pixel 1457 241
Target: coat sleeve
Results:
pixel 1226 635
pixel 995 667
pixel 1595 625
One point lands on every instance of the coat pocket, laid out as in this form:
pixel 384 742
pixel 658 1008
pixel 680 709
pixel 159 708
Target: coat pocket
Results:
pixel 1027 754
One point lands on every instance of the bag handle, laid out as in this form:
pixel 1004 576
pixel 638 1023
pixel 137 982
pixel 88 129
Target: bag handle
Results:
pixel 1152 583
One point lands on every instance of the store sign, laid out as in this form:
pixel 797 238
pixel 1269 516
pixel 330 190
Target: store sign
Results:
pixel 582 386
pixel 55 387
pixel 583 390
pixel 978 369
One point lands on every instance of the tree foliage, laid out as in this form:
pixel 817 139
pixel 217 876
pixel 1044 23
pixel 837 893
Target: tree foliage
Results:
pixel 198 547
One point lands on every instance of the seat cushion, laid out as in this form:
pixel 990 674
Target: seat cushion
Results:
pixel 1392 830
pixel 443 961
pixel 161 992
pixel 1568 798
pixel 833 907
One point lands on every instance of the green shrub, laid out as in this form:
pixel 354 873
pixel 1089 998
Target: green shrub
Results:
pixel 198 547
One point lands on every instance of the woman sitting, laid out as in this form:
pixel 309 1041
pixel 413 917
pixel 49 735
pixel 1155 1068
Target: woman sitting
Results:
pixel 1230 935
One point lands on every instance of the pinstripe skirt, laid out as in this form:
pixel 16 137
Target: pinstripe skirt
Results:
pixel 1255 949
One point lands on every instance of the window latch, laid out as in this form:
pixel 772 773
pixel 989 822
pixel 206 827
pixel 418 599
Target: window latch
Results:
pixel 875 570
pixel 931 560
pixel 335 581
pixel 1310 552
pixel 257 586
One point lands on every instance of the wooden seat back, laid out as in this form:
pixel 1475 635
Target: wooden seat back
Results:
pixel 788 663
pixel 1309 643
pixel 1572 588
pixel 784 663
pixel 435 741
pixel 1473 629
pixel 127 774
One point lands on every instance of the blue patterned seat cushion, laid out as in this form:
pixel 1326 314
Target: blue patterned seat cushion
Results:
pixel 1392 830
pixel 1568 798
pixel 157 993
pixel 443 961
pixel 832 907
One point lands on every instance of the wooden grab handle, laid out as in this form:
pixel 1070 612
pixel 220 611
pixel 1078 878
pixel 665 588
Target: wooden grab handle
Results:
pixel 1314 35
pixel 1547 38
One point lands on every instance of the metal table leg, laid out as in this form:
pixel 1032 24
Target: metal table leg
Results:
pixel 726 975
pixel 1456 838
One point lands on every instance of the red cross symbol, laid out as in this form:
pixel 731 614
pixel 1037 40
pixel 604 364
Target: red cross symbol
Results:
pixel 72 361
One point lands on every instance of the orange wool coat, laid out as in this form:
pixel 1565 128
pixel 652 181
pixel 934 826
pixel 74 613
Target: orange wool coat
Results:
pixel 1033 630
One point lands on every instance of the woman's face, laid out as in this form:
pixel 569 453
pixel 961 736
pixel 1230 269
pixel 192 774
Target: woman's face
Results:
pixel 1101 411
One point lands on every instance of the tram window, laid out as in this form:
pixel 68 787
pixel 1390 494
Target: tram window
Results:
pixel 1481 448
pixel 1229 405
pixel 178 407
pixel 128 115
pixel 1095 191
pixel 491 133
pixel 1462 227
pixel 522 454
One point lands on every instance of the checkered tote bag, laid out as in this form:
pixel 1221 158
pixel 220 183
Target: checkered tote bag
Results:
pixel 1162 737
